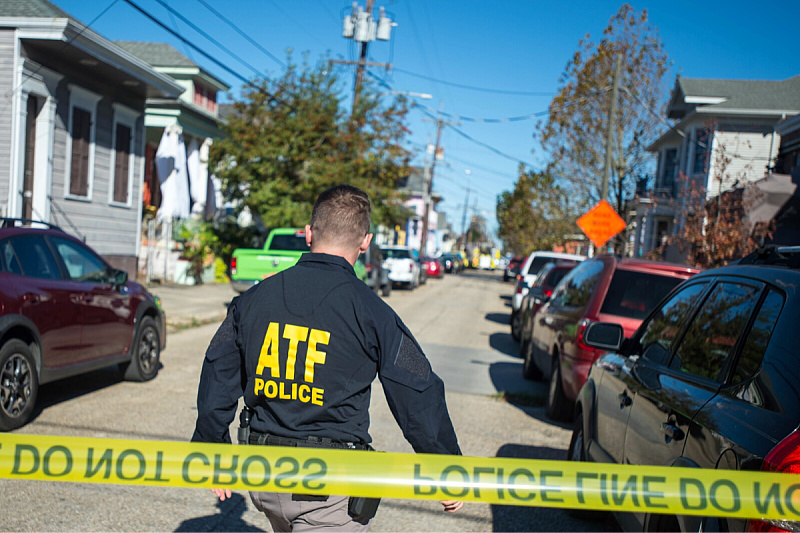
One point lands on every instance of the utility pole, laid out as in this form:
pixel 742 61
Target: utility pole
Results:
pixel 361 27
pixel 428 192
pixel 464 221
pixel 612 116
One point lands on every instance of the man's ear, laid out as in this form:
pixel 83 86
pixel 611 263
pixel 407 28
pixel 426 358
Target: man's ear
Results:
pixel 365 243
pixel 308 235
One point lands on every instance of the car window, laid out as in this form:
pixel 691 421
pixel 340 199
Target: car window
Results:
pixel 34 257
pixel 577 288
pixel 81 263
pixel 294 243
pixel 537 263
pixel 555 276
pixel 713 333
pixel 634 294
pixel 661 330
pixel 10 263
pixel 396 254
pixel 758 338
pixel 543 274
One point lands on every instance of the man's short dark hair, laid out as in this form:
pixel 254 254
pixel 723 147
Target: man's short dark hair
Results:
pixel 341 216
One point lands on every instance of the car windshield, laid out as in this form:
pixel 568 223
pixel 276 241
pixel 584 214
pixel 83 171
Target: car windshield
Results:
pixel 633 294
pixel 392 253
pixel 294 243
pixel 540 261
pixel 555 276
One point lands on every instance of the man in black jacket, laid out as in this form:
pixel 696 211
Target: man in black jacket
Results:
pixel 304 347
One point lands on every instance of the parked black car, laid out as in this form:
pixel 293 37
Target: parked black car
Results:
pixel 709 380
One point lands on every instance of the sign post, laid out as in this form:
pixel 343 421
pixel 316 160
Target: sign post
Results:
pixel 601 223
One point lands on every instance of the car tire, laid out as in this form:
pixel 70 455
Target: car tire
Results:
pixel 19 385
pixel 146 356
pixel 577 453
pixel 386 289
pixel 558 406
pixel 516 325
pixel 529 369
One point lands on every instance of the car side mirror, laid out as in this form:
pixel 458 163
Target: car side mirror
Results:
pixel 119 277
pixel 605 336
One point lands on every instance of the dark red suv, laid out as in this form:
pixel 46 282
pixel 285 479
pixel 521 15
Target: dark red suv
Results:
pixel 65 311
pixel 606 288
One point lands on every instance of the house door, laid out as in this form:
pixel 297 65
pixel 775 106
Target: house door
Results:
pixel 30 157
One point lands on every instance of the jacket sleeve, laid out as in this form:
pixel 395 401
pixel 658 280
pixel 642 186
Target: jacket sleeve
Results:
pixel 415 394
pixel 221 384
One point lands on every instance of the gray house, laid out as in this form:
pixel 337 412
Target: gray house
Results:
pixel 724 136
pixel 72 132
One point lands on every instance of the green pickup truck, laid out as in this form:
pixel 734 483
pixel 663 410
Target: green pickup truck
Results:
pixel 283 248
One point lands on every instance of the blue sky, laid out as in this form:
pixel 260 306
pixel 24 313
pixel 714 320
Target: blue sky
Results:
pixel 511 46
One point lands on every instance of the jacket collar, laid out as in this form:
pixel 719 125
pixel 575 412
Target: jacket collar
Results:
pixel 331 261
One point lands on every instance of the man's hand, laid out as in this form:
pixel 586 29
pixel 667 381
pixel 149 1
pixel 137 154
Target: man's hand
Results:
pixel 451 506
pixel 224 493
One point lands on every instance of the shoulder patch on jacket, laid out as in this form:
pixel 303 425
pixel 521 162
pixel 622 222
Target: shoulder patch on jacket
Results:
pixel 411 359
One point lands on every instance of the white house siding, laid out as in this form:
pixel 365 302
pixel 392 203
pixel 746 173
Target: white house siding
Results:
pixel 750 154
pixel 7 40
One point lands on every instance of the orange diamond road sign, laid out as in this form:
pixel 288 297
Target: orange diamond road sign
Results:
pixel 601 223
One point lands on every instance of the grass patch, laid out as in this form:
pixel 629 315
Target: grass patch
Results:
pixel 525 399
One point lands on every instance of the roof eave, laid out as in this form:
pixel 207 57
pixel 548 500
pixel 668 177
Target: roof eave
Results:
pixel 83 38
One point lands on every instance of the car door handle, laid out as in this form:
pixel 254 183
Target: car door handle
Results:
pixel 31 297
pixel 624 400
pixel 672 432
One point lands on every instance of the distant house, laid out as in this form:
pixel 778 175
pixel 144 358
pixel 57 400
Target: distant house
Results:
pixel 414 186
pixel 194 116
pixel 72 127
pixel 735 118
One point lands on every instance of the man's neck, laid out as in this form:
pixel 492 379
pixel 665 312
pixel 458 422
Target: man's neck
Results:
pixel 349 256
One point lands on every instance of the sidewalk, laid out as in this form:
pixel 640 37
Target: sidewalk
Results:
pixel 192 305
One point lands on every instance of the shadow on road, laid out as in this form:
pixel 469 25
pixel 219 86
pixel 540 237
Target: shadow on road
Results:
pixel 229 517
pixel 504 343
pixel 531 518
pixel 497 318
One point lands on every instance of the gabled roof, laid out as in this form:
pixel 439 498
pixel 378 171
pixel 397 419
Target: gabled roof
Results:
pixel 734 96
pixel 156 54
pixel 32 8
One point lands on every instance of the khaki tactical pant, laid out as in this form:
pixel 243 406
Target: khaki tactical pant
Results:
pixel 302 512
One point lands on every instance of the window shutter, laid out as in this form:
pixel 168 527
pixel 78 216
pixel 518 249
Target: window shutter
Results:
pixel 79 172
pixel 122 162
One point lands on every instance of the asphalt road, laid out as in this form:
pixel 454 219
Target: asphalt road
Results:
pixel 462 324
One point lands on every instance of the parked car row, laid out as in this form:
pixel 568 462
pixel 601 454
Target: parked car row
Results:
pixel 660 364
pixel 407 269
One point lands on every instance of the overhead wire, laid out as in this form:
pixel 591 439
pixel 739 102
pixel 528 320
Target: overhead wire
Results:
pixel 473 88
pixel 241 32
pixel 175 25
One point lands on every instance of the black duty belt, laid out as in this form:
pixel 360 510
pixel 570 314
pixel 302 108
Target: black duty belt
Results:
pixel 310 442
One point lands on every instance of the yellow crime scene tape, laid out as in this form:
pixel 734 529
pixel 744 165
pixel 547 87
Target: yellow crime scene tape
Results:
pixel 506 481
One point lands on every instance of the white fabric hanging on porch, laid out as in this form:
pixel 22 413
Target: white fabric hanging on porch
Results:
pixel 198 178
pixel 172 174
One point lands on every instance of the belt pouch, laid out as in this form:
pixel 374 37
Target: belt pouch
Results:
pixel 361 509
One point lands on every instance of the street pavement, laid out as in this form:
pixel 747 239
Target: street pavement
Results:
pixel 193 305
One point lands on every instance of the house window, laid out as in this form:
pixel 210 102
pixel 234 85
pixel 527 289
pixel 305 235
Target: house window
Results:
pixel 669 169
pixel 702 150
pixel 122 156
pixel 81 142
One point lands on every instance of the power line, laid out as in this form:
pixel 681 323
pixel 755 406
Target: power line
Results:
pixel 205 54
pixel 242 33
pixel 487 120
pixel 473 88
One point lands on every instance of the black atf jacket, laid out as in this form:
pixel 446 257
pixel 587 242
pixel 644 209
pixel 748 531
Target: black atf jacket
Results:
pixel 304 347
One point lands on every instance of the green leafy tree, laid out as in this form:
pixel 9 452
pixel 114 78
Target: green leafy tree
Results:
pixel 535 215
pixel 290 139
pixel 574 135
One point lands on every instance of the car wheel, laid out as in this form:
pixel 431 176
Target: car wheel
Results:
pixel 146 353
pixel 558 406
pixel 529 369
pixel 516 325
pixel 386 290
pixel 19 385
pixel 577 453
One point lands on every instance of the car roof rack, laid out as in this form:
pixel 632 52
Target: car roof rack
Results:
pixel 772 254
pixel 8 222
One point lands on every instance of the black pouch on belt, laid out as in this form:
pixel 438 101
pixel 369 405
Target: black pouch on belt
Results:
pixel 362 509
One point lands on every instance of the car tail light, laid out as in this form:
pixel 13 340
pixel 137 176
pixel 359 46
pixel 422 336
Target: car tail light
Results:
pixel 369 268
pixel 582 325
pixel 411 267
pixel 784 459
pixel 233 266
pixel 548 293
